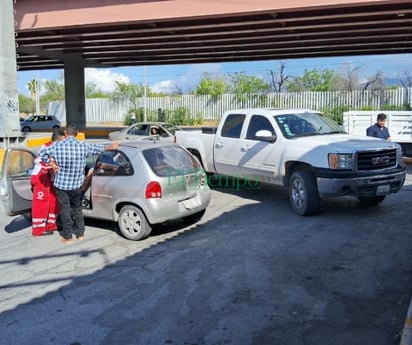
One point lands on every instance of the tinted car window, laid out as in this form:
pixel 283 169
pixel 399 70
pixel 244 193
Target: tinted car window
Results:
pixel 139 130
pixel 233 126
pixel 257 123
pixel 113 163
pixel 171 161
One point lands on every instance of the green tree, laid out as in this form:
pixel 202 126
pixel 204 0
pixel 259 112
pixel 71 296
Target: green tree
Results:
pixel 33 87
pixel 130 93
pixel 92 91
pixel 247 88
pixel 26 105
pixel 53 91
pixel 312 80
pixel 211 86
pixel 242 84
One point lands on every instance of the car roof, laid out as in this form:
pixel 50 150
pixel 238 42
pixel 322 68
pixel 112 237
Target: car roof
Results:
pixel 274 111
pixel 153 123
pixel 144 144
pixel 37 115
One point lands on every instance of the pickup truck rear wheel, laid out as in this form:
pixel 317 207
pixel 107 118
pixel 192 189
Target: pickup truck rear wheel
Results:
pixel 303 193
pixel 133 223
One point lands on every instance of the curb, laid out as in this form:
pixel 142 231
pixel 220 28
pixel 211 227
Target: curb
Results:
pixel 406 338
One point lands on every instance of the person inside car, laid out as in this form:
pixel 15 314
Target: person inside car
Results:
pixel 154 130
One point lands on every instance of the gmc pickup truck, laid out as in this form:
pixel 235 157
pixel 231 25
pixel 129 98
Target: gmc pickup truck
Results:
pixel 302 150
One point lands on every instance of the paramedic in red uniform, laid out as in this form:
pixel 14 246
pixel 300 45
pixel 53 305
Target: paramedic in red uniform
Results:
pixel 45 208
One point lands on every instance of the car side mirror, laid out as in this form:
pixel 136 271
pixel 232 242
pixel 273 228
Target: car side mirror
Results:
pixel 265 135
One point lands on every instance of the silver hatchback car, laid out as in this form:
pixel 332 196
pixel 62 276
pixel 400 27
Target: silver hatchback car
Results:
pixel 140 184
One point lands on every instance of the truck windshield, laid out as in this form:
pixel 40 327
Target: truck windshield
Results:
pixel 306 124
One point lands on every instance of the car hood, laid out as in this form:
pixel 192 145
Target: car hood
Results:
pixel 346 142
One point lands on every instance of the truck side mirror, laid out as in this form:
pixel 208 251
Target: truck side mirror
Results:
pixel 265 135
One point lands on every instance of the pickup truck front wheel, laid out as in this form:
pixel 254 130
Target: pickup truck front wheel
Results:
pixel 303 193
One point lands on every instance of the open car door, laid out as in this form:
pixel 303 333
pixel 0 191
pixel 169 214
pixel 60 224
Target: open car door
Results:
pixel 15 187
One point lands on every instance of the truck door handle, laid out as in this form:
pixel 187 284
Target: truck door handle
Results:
pixel 219 145
pixel 245 148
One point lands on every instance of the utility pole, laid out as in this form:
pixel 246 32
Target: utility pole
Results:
pixel 9 99
pixel 145 96
pixel 38 93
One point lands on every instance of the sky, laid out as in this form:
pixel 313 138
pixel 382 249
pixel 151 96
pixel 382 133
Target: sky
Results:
pixel 186 77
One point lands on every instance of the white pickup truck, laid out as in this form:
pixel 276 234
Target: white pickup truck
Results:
pixel 302 150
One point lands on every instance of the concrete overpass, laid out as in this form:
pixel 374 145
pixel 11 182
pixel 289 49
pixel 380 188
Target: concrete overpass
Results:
pixel 74 34
pixel 112 33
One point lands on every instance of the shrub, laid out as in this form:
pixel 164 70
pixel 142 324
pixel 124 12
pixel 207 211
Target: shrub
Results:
pixel 336 113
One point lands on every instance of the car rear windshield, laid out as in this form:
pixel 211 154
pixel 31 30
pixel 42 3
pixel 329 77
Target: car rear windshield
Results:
pixel 171 161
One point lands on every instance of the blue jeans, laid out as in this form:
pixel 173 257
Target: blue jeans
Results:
pixel 71 215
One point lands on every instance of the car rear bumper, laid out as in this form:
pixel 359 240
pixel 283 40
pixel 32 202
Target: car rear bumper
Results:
pixel 162 210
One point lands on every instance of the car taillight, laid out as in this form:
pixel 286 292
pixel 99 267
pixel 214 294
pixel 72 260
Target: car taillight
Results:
pixel 153 190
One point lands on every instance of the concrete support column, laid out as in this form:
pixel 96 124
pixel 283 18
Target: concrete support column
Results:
pixel 9 99
pixel 75 90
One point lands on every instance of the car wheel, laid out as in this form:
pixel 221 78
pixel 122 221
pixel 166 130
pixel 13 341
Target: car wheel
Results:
pixel 193 218
pixel 371 201
pixel 303 193
pixel 55 127
pixel 133 223
pixel 26 129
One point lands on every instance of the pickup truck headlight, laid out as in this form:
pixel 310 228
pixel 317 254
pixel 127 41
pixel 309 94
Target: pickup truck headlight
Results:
pixel 340 161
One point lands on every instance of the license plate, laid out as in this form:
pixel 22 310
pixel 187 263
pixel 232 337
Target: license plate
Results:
pixel 384 189
pixel 191 203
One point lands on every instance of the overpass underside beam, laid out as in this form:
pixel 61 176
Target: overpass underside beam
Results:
pixel 75 90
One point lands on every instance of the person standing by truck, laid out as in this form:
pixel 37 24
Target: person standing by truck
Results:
pixel 379 130
pixel 45 207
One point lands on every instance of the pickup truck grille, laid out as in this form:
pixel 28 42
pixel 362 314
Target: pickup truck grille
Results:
pixel 376 160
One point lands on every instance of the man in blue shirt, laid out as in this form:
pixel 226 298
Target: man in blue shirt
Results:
pixel 68 159
pixel 378 130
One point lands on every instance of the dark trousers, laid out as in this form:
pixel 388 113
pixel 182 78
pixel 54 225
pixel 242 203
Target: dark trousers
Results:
pixel 71 216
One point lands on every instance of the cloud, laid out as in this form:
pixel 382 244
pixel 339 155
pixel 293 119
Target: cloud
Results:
pixel 191 78
pixel 188 81
pixel 165 86
pixel 104 78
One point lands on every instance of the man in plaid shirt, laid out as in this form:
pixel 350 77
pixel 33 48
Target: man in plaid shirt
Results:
pixel 68 159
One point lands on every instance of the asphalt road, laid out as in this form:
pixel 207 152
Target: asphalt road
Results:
pixel 251 272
